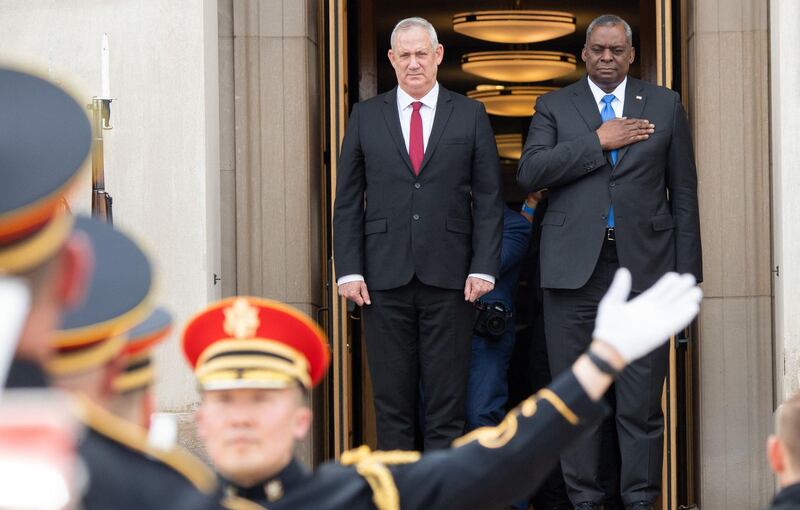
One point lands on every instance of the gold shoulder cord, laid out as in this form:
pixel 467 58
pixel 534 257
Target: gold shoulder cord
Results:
pixel 499 436
pixel 237 503
pixel 372 466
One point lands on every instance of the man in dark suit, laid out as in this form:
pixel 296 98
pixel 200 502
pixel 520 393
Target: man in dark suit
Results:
pixel 616 154
pixel 417 230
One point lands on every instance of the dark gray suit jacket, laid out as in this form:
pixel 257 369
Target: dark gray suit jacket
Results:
pixel 389 224
pixel 653 187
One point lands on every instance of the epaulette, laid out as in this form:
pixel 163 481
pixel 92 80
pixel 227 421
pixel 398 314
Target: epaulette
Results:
pixel 134 438
pixel 499 435
pixel 372 466
pixel 237 503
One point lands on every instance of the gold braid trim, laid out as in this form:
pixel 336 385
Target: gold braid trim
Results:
pixel 496 437
pixel 237 503
pixel 379 478
pixel 559 405
pixel 372 466
pixel 352 457
pixel 492 437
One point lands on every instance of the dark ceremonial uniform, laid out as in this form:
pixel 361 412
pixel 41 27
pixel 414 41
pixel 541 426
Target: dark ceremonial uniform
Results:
pixel 292 478
pixel 124 471
pixel 486 469
pixel 126 474
pixel 253 343
pixel 787 499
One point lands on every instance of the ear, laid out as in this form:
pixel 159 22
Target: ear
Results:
pixel 633 55
pixel 302 422
pixel 775 455
pixel 584 54
pixel 199 419
pixel 439 52
pixel 76 263
pixel 110 372
pixel 390 54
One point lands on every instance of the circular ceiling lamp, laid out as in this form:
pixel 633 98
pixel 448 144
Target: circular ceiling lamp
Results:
pixel 514 26
pixel 509 146
pixel 514 101
pixel 519 66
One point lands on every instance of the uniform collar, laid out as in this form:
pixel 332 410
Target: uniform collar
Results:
pixel 26 374
pixel 272 489
pixel 598 93
pixel 404 100
pixel 789 494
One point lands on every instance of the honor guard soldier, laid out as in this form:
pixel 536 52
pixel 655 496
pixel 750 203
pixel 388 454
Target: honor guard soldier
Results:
pixel 45 137
pixel 255 361
pixel 125 472
pixel 133 399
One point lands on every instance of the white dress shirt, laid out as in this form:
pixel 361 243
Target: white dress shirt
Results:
pixel 427 112
pixel 618 104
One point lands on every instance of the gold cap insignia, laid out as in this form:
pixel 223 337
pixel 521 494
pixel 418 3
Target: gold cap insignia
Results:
pixel 241 319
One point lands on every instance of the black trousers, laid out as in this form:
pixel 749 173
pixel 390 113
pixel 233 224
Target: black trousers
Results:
pixel 590 470
pixel 418 336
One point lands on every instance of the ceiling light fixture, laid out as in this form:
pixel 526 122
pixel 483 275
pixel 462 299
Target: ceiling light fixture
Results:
pixel 519 66
pixel 514 26
pixel 509 146
pixel 514 101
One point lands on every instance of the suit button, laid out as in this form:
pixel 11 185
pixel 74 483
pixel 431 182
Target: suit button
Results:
pixel 417 185
pixel 416 217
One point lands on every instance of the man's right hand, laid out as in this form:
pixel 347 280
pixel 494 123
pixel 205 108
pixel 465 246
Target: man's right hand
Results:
pixel 617 133
pixel 355 292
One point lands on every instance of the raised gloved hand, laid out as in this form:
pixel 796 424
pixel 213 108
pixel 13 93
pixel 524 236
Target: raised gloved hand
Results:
pixel 636 327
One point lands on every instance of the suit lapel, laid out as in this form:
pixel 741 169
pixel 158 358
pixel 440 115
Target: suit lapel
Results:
pixel 392 119
pixel 634 106
pixel 584 101
pixel 444 107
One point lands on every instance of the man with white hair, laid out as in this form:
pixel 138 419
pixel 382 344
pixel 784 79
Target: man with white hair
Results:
pixel 417 227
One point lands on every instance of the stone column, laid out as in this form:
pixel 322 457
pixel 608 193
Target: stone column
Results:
pixel 785 82
pixel 277 158
pixel 729 112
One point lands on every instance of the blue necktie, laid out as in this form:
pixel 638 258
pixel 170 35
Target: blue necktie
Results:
pixel 607 114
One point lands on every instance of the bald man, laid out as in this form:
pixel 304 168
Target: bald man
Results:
pixel 783 452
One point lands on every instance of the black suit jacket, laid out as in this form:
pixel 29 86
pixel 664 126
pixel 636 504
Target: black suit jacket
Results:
pixel 653 187
pixel 389 224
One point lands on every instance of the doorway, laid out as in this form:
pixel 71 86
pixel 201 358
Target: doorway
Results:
pixel 356 68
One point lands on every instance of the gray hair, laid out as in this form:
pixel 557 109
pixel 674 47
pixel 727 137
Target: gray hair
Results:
pixel 610 20
pixel 407 23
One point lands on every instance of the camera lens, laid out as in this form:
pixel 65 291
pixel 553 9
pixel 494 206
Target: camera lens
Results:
pixel 496 325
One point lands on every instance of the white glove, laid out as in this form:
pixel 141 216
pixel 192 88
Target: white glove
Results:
pixel 636 327
pixel 15 301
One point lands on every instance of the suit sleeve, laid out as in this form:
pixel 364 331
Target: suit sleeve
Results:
pixel 545 163
pixel 494 466
pixel 348 210
pixel 682 187
pixel 487 204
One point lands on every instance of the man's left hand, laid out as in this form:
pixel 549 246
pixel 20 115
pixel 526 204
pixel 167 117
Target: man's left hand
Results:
pixel 475 288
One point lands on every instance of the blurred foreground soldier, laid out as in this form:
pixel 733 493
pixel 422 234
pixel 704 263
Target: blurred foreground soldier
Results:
pixel 255 360
pixel 45 138
pixel 783 453
pixel 125 472
pixel 133 398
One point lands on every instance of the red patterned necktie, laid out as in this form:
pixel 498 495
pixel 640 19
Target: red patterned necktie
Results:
pixel 416 148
